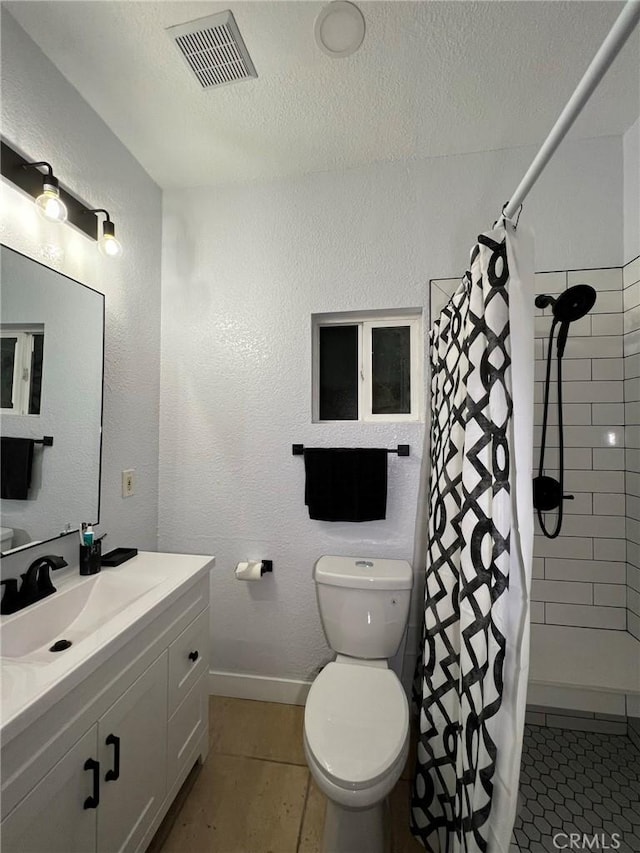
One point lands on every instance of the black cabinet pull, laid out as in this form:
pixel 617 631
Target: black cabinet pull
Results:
pixel 112 775
pixel 94 801
pixel 193 655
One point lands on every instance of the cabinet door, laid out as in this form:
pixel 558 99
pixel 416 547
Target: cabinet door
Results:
pixel 52 818
pixel 133 761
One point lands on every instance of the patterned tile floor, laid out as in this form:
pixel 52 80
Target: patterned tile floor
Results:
pixel 582 783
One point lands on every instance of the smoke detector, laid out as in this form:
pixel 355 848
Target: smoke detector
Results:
pixel 214 50
pixel 339 29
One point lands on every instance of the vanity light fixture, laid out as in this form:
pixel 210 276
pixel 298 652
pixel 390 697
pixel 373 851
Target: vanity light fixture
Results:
pixel 54 202
pixel 26 176
pixel 108 245
pixel 49 203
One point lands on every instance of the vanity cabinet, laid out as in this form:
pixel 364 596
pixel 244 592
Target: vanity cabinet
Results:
pixel 143 716
pixel 122 759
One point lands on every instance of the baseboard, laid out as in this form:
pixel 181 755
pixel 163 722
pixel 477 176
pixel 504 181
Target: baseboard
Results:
pixel 261 687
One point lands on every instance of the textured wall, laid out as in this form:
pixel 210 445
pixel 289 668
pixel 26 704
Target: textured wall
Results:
pixel 243 270
pixel 46 117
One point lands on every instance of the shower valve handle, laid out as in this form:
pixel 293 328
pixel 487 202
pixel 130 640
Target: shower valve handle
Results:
pixel 547 494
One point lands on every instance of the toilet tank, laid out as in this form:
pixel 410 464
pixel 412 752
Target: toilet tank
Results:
pixel 363 604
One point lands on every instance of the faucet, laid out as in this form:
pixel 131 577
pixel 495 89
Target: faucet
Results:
pixel 11 600
pixel 36 584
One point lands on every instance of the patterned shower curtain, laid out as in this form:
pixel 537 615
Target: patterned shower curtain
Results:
pixel 472 671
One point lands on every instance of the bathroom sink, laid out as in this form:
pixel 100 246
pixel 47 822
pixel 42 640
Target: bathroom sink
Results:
pixel 72 614
pixel 96 617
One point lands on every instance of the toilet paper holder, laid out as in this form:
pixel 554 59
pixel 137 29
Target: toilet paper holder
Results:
pixel 247 570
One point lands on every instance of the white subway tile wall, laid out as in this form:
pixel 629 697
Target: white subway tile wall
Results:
pixel 631 350
pixel 588 577
pixel 583 577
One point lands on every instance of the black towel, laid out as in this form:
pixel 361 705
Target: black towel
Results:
pixel 15 467
pixel 346 485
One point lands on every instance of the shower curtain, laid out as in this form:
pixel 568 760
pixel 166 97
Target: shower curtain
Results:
pixel 471 678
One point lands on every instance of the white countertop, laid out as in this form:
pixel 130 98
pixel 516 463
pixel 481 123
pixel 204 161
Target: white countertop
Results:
pixel 33 684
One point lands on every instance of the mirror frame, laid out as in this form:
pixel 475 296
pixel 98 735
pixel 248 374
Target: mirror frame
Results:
pixel 20 548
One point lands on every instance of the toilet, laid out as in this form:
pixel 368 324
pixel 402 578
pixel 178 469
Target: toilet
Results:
pixel 356 721
pixel 6 538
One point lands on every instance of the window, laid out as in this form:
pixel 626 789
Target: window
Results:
pixel 367 367
pixel 21 351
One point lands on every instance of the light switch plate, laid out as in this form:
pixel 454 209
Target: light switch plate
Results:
pixel 128 482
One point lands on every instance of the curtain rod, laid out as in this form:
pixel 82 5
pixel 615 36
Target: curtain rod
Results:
pixel 611 46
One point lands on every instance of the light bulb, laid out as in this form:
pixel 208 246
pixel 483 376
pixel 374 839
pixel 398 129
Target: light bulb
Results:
pixel 50 205
pixel 109 246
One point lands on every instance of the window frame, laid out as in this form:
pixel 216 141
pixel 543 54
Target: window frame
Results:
pixel 366 322
pixel 21 387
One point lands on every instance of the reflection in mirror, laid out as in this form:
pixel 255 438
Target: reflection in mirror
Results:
pixel 21 380
pixel 51 360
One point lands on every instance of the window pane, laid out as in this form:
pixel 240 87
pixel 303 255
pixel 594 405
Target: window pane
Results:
pixel 36 375
pixel 338 373
pixel 7 361
pixel 391 368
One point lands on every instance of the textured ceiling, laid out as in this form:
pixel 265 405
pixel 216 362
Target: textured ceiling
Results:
pixel 431 78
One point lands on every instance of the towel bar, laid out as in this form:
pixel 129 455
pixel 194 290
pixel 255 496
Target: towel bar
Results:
pixel 45 441
pixel 401 450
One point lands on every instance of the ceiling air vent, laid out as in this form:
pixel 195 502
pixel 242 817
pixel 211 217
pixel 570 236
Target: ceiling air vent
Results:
pixel 214 50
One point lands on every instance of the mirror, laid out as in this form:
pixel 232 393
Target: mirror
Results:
pixel 51 359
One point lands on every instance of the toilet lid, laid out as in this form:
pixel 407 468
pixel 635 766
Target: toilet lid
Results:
pixel 356 721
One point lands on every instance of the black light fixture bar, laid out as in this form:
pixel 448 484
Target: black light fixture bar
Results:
pixel 12 167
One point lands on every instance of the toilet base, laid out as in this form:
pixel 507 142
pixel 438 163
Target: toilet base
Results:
pixel 356 831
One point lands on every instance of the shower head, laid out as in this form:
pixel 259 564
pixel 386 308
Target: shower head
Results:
pixel 544 300
pixel 574 303
pixel 571 305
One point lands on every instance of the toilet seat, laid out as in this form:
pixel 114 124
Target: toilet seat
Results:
pixel 356 723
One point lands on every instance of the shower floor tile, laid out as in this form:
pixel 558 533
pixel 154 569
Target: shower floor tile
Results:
pixel 577 783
